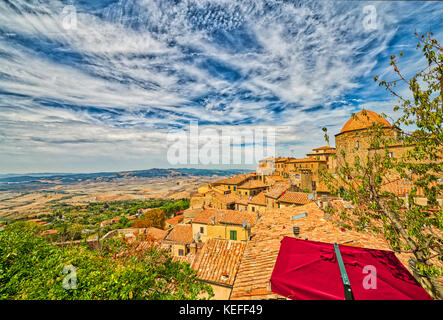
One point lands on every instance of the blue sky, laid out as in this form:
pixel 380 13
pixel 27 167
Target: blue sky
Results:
pixel 102 96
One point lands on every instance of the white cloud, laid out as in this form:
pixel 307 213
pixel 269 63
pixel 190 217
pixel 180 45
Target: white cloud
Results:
pixel 117 82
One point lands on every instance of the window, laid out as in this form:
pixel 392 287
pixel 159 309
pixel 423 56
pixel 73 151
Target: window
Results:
pixel 235 188
pixel 391 154
pixel 253 209
pixel 246 193
pixel 358 144
pixel 180 252
pixel 202 230
pixel 233 235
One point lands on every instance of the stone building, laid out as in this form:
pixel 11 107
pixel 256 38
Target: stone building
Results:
pixel 355 138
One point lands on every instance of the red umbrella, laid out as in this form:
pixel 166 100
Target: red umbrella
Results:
pixel 311 270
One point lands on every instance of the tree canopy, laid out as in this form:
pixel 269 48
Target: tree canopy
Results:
pixel 32 268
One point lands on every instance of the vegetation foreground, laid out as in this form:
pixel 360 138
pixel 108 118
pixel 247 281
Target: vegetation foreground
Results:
pixel 32 268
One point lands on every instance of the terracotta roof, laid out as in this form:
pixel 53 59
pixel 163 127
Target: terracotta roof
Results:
pixel 276 190
pixel 49 232
pixel 261 251
pixel 283 159
pixel 242 201
pixel 219 261
pixel 155 233
pixel 225 217
pixel 363 120
pixel 275 178
pixel 182 233
pixel 236 180
pixel 294 197
pixel 324 148
pixel 189 258
pixel 226 198
pixel 328 151
pixel 191 213
pixel 259 199
pixel 196 195
pixel 306 160
pixel 175 220
pixel 252 184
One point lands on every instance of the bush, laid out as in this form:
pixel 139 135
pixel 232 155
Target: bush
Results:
pixel 31 268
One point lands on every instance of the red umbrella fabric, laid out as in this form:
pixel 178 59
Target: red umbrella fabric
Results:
pixel 309 270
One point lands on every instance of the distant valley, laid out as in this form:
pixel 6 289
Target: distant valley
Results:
pixel 31 195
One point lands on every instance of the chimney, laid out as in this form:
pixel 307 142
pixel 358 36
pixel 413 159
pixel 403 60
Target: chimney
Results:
pixel 193 248
pixel 296 230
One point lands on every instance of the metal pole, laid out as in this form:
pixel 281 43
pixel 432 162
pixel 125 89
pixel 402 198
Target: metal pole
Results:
pixel 344 275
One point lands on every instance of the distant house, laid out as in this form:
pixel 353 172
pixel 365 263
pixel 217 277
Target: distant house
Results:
pixel 222 224
pixel 178 240
pixel 257 204
pixel 154 234
pixel 273 194
pixel 49 232
pixel 291 198
pixel 232 183
pixel 173 221
pixel 217 264
pixel 190 214
pixel 115 220
pixel 251 188
pixel 105 223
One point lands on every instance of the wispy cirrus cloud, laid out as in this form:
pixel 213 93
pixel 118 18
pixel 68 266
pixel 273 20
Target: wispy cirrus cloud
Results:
pixel 109 90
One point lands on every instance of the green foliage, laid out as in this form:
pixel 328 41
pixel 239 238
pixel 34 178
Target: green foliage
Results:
pixel 173 207
pixel 71 220
pixel 31 268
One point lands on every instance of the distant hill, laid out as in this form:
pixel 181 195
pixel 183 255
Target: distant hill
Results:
pixel 17 182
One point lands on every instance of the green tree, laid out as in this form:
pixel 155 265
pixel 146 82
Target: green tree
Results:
pixel 407 225
pixel 31 268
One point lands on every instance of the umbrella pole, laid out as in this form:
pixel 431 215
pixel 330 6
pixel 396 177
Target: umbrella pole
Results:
pixel 344 275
